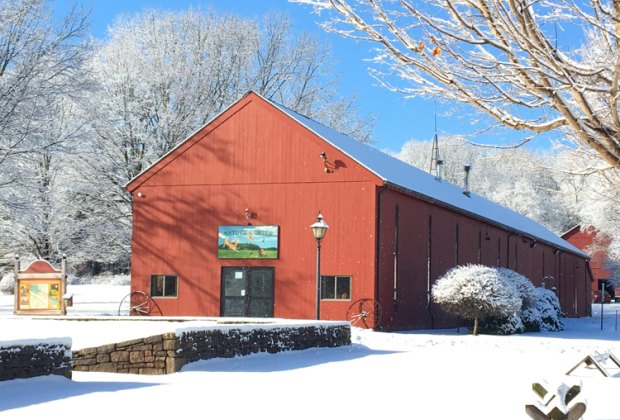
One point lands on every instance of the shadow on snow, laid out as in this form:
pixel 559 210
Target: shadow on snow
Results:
pixel 288 360
pixel 18 393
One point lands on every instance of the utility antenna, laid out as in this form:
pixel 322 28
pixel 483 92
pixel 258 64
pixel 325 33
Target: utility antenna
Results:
pixel 435 161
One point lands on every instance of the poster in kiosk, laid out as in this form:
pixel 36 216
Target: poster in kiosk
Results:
pixel 40 289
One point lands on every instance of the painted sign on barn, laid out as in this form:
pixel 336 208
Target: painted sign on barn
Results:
pixel 243 242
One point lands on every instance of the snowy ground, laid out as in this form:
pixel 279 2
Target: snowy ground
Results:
pixel 413 375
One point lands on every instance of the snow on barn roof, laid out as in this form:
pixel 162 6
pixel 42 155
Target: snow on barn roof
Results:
pixel 419 183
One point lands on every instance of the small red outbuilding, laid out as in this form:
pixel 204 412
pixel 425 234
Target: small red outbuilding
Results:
pixel 589 240
pixel 221 227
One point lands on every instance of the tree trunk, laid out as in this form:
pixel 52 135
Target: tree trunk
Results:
pixel 476 326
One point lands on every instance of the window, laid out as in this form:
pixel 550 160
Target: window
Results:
pixel 336 287
pixel 164 285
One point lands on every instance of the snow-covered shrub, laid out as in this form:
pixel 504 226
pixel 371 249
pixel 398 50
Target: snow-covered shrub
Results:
pixel 531 319
pixel 545 314
pixel 476 292
pixel 7 284
pixel 524 286
pixel 513 324
pixel 540 310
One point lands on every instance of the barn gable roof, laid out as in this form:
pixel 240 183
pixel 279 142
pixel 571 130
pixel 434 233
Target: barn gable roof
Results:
pixel 400 175
pixel 571 231
pixel 414 181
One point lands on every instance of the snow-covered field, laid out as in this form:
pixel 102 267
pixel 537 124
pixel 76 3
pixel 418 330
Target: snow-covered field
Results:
pixel 445 374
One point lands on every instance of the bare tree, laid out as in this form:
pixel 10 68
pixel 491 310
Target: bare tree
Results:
pixel 38 62
pixel 36 211
pixel 31 225
pixel 40 70
pixel 535 66
pixel 296 72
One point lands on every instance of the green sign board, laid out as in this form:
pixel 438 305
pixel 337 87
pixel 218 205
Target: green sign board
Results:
pixel 243 242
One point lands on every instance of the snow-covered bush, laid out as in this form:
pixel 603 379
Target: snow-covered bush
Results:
pixel 476 292
pixel 540 310
pixel 513 323
pixel 545 314
pixel 507 301
pixel 524 286
pixel 7 284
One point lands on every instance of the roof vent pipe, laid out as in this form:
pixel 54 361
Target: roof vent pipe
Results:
pixel 467 168
pixel 439 169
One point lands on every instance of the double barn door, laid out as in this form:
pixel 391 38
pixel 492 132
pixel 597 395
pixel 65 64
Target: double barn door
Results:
pixel 247 291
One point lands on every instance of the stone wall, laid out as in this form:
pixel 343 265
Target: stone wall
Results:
pixel 153 355
pixel 30 360
pixel 167 353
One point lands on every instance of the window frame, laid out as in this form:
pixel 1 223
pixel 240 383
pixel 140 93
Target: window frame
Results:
pixel 336 277
pixel 175 277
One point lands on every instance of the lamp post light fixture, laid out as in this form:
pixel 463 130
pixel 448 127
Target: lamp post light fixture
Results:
pixel 319 229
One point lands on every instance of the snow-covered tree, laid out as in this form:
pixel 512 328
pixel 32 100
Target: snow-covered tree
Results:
pixel 39 61
pixel 475 292
pixel 530 66
pixel 40 74
pixel 7 283
pixel 591 191
pixel 32 216
pixel 539 311
pixel 37 213
pixel 518 179
pixel 502 300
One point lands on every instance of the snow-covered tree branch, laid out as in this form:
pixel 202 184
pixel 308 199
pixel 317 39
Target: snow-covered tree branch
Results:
pixel 530 66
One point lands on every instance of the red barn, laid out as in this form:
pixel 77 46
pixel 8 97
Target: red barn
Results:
pixel 221 227
pixel 589 240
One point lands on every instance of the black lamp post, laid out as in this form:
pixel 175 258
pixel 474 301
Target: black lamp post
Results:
pixel 319 229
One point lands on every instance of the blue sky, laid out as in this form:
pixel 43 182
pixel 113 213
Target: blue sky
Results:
pixel 397 119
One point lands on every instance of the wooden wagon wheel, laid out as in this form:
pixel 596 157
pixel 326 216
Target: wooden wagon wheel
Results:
pixel 137 303
pixel 364 313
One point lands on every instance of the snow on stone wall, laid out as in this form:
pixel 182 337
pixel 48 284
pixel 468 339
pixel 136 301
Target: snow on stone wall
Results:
pixel 20 360
pixel 167 353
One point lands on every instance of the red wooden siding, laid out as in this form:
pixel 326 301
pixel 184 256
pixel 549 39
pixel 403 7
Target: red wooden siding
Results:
pixel 253 157
pixel 596 245
pixel 166 242
pixel 476 242
pixel 252 143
